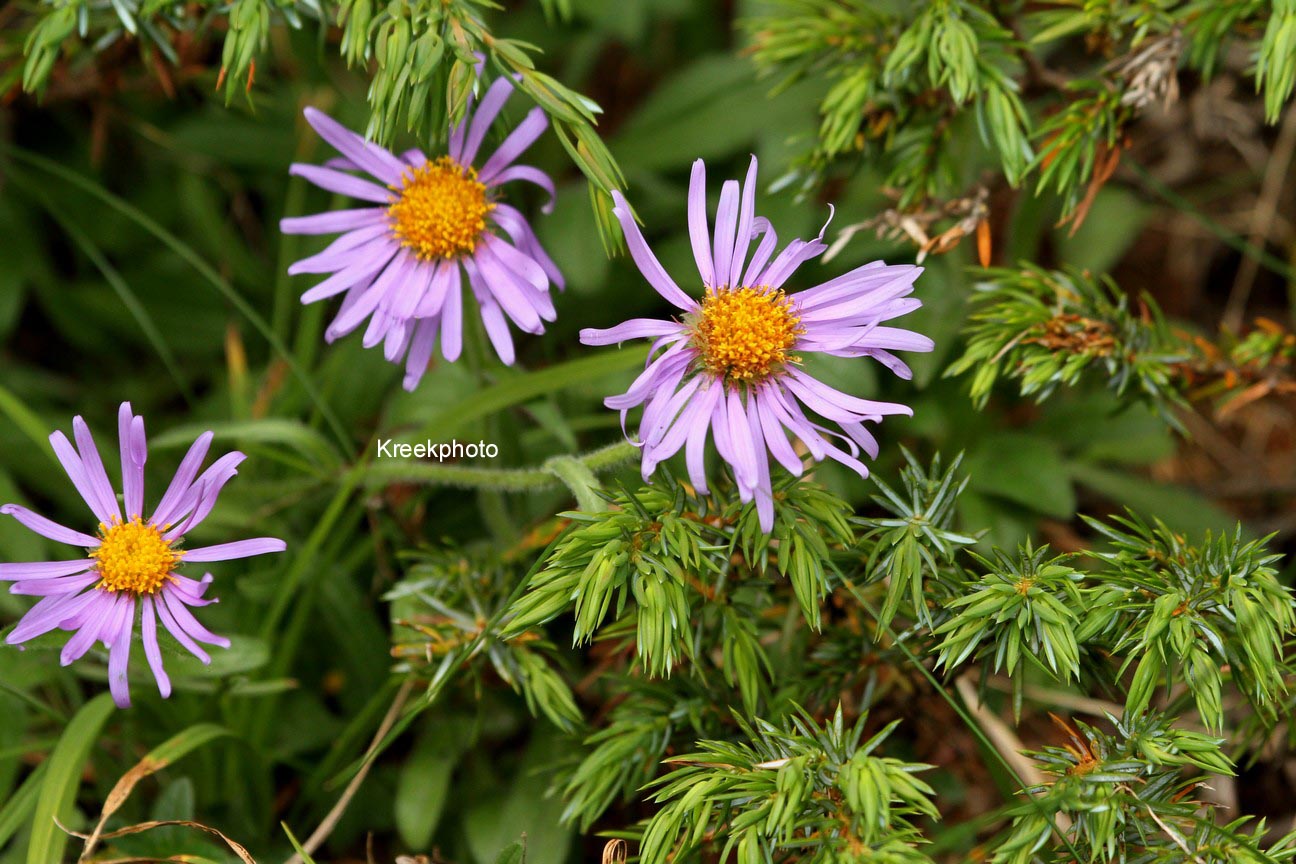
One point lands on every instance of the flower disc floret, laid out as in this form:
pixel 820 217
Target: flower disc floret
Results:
pixel 134 558
pixel 439 210
pixel 745 334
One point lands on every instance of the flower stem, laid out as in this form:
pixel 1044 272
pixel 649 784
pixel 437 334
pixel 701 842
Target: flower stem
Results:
pixel 580 480
pixel 578 473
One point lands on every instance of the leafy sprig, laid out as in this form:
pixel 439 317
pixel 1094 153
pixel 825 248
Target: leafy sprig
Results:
pixel 444 605
pixel 625 755
pixel 819 791
pixel 809 523
pixel 915 545
pixel 1186 611
pixel 1048 328
pixel 896 80
pixel 425 58
pixel 1123 794
pixel 646 550
pixel 1024 608
pixel 906 84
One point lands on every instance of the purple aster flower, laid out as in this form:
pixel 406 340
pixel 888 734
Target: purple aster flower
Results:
pixel 728 366
pixel 132 561
pixel 399 258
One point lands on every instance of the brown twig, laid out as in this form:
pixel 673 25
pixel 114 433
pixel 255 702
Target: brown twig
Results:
pixel 326 826
pixel 1262 219
pixel 1173 835
pixel 1005 740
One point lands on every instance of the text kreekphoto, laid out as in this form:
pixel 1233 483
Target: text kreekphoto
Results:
pixel 389 448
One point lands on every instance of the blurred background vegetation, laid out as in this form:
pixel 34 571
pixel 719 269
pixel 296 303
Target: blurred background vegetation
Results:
pixel 1115 162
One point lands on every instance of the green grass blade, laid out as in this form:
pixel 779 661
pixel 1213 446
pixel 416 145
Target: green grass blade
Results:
pixel 199 264
pixel 27 421
pixel 44 708
pixel 154 761
pixel 14 813
pixel 292 838
pixel 119 285
pixel 62 778
pixel 184 743
pixel 1265 259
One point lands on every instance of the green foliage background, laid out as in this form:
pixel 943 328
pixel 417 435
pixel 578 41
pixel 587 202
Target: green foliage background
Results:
pixel 517 673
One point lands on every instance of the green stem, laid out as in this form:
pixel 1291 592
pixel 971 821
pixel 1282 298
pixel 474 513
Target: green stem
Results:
pixel 457 476
pixel 1174 199
pixel 27 422
pixel 578 473
pixel 580 479
pixel 304 559
pixel 294 198
pixel 611 456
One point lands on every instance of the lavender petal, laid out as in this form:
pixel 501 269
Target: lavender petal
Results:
pixel 48 528
pixel 645 259
pixel 517 142
pixel 635 328
pixel 699 229
pixel 334 221
pixel 27 571
pixel 76 472
pixel 50 587
pixel 210 482
pixel 452 318
pixel 184 618
pixel 521 265
pixel 373 159
pixel 237 549
pixel 519 230
pixel 528 174
pixel 762 489
pixel 772 431
pixel 91 631
pixel 695 446
pixel 152 651
pixel 182 479
pixel 491 104
pixel 341 184
pixel 741 441
pixel 349 249
pixel 722 250
pixel 762 228
pixel 360 273
pixel 420 352
pixel 49 614
pixel 119 654
pixel 746 216
pixel 134 454
pixel 173 627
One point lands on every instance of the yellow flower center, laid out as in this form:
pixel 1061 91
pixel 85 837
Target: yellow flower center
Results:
pixel 133 557
pixel 440 209
pixel 744 334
